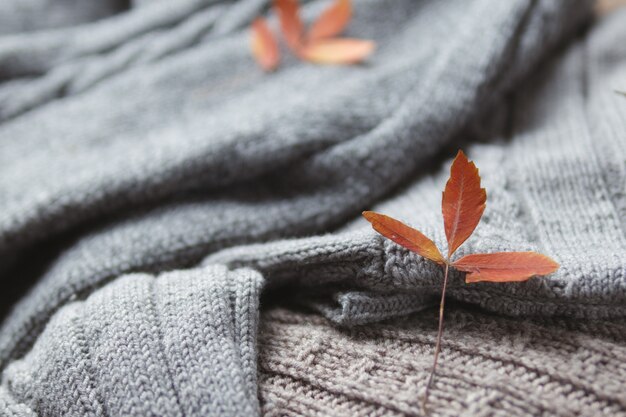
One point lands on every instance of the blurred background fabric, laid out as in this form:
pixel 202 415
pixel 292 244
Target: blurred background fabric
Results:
pixel 33 15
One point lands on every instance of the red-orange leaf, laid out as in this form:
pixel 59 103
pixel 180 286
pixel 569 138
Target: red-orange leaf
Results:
pixel 337 51
pixel 404 235
pixel 463 202
pixel 289 15
pixel 505 266
pixel 264 45
pixel 332 21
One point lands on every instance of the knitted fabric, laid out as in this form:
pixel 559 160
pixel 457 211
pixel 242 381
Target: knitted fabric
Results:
pixel 556 183
pixel 180 344
pixel 152 180
pixel 490 366
pixel 33 15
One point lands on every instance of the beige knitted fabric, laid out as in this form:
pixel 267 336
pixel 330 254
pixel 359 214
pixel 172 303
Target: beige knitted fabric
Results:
pixel 491 366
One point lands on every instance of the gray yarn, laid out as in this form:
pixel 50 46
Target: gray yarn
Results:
pixel 554 185
pixel 139 347
pixel 32 15
pixel 149 141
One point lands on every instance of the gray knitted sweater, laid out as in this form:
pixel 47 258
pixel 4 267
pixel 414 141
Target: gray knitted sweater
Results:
pixel 153 181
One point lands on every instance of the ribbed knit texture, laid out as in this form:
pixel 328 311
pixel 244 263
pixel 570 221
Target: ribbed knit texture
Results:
pixel 152 179
pixel 490 366
pixel 180 344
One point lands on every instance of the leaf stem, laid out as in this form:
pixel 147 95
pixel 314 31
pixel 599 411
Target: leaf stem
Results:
pixel 439 334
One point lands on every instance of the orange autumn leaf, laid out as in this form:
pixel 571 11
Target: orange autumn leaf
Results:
pixel 264 45
pixel 463 202
pixel 504 266
pixel 337 51
pixel 319 45
pixel 462 207
pixel 404 235
pixel 289 15
pixel 332 21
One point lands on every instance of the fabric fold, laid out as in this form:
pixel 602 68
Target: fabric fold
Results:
pixel 153 182
pixel 172 176
pixel 180 344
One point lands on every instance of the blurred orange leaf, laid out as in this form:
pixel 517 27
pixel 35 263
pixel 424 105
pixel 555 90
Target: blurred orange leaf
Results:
pixel 337 51
pixel 289 15
pixel 463 202
pixel 264 45
pixel 319 45
pixel 332 21
pixel 404 235
pixel 504 266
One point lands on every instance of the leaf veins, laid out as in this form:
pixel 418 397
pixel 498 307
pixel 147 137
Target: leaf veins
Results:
pixel 404 235
pixel 505 266
pixel 463 202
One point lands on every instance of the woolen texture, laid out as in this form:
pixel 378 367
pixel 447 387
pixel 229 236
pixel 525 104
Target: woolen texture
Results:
pixel 153 180
pixel 174 345
pixel 489 366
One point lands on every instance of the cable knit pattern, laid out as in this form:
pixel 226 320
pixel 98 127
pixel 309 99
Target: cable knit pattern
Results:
pixel 490 366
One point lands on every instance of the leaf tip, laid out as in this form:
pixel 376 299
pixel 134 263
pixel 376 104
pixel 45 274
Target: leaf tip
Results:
pixel 370 216
pixel 554 265
pixel 463 201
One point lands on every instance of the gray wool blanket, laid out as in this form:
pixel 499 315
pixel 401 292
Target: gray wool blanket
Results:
pixel 154 183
